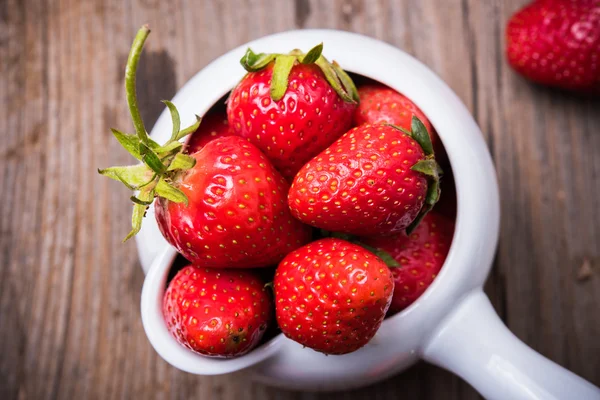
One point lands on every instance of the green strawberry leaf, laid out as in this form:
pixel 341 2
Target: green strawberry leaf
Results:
pixel 431 198
pixel 421 136
pixel 348 83
pixel 428 167
pixel 312 55
pixel 182 162
pixel 129 142
pixel 249 57
pixel 139 211
pixel 433 171
pixel 152 144
pixel 151 159
pixel 333 79
pixel 190 129
pixel 132 176
pixel 253 62
pixel 281 73
pixel 163 189
pixel 168 148
pixel 175 118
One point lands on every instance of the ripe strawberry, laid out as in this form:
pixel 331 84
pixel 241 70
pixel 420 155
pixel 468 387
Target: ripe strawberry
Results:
pixel 291 106
pixel 375 180
pixel 236 216
pixel 421 255
pixel 217 313
pixel 381 104
pixel 223 206
pixel 214 125
pixel 557 43
pixel 332 295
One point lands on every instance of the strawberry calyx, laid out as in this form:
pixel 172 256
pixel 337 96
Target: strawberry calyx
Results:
pixel 428 167
pixel 160 164
pixel 382 254
pixel 337 78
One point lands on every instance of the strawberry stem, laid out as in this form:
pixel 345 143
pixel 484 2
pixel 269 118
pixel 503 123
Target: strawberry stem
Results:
pixel 130 78
pixel 161 164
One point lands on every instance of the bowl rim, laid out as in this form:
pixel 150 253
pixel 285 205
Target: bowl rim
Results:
pixel 449 285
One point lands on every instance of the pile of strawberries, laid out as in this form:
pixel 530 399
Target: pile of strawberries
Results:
pixel 330 184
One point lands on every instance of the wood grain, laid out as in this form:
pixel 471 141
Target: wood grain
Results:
pixel 69 290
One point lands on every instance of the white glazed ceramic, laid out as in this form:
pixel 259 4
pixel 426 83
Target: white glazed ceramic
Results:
pixel 452 325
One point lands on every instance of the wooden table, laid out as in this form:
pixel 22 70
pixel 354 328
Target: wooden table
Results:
pixel 69 290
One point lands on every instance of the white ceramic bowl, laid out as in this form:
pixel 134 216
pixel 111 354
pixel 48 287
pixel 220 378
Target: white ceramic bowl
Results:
pixel 452 324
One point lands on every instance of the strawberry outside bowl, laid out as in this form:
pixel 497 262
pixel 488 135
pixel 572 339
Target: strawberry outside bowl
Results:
pixel 452 325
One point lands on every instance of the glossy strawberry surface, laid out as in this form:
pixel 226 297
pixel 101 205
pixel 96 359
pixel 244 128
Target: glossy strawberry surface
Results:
pixel 331 295
pixel 362 184
pixel 421 256
pixel 557 43
pixel 237 216
pixel 217 313
pixel 214 125
pixel 292 130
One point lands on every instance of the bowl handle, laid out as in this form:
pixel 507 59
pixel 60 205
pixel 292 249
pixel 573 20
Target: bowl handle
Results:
pixel 475 344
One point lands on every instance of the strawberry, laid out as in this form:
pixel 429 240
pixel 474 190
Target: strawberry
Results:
pixel 421 255
pixel 214 125
pixel 381 104
pixel 557 43
pixel 291 106
pixel 236 214
pixel 375 180
pixel 217 313
pixel 332 295
pixel 223 206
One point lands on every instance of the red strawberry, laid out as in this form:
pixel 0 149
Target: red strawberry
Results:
pixel 332 295
pixel 214 125
pixel 381 104
pixel 217 313
pixel 291 106
pixel 557 43
pixel 223 206
pixel 237 216
pixel 421 255
pixel 372 181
